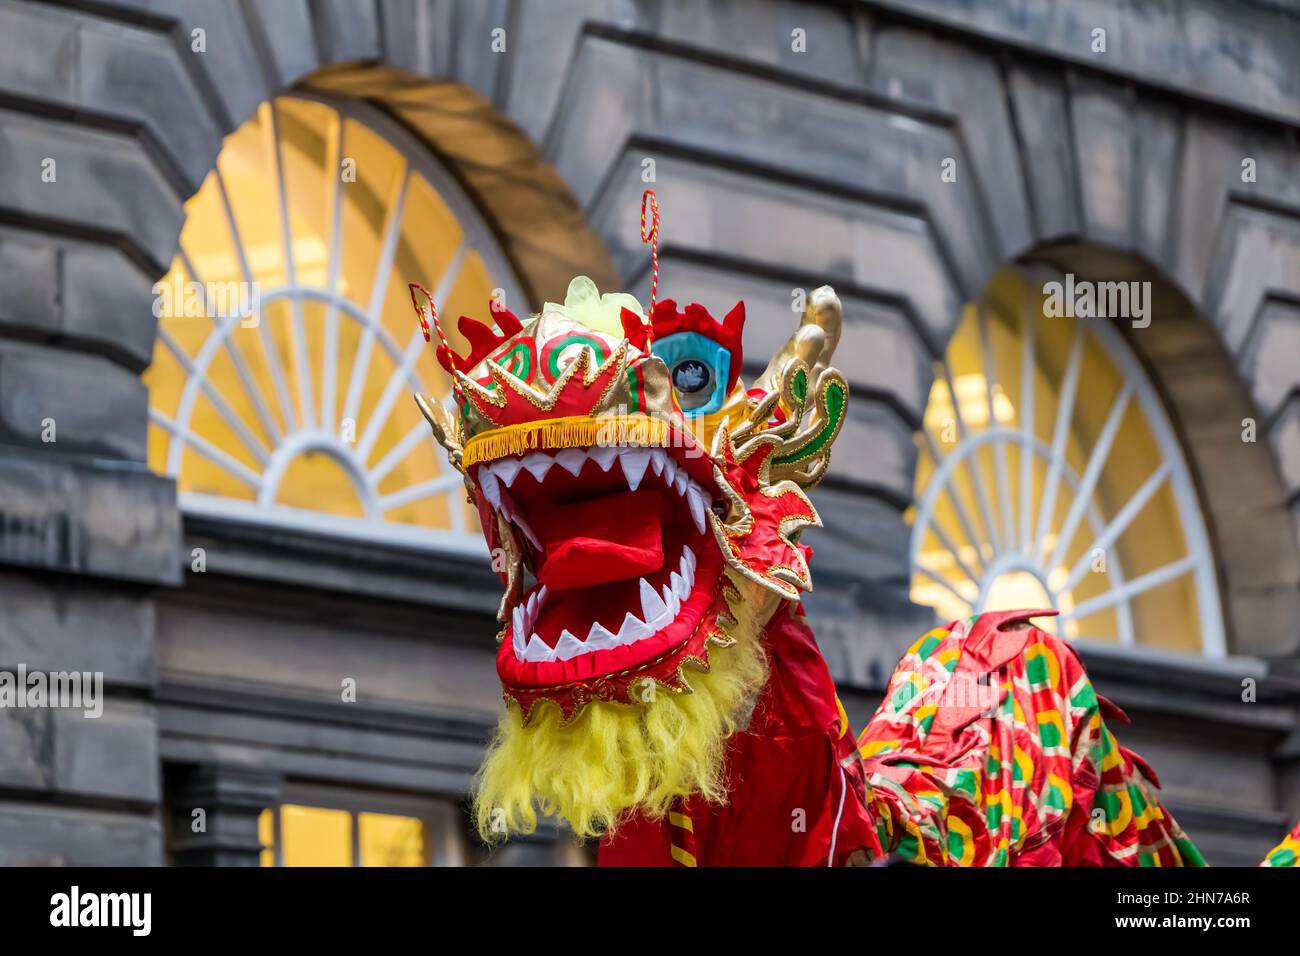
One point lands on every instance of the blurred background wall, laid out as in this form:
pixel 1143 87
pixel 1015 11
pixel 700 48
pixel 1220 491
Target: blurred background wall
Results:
pixel 216 491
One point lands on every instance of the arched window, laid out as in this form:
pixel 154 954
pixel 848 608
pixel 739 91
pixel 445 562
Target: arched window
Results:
pixel 288 350
pixel 1049 476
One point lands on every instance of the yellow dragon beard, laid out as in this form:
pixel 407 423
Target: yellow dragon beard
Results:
pixel 613 758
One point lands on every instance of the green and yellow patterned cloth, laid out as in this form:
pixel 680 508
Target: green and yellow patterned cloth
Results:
pixel 991 748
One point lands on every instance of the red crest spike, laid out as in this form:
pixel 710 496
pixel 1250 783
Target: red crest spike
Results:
pixel 481 339
pixel 506 320
pixel 635 329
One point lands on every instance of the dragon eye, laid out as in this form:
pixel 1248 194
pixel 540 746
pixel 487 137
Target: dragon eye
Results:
pixel 697 367
pixel 691 376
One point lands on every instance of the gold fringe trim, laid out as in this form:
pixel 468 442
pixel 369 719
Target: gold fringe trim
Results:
pixel 578 431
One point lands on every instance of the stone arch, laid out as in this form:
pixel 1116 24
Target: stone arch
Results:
pixel 1209 403
pixel 1150 191
pixel 1112 180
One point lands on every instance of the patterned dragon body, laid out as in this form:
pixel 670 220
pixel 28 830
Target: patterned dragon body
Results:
pixel 662 688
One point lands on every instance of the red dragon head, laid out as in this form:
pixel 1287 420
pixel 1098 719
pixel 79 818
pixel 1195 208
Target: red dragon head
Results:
pixel 644 508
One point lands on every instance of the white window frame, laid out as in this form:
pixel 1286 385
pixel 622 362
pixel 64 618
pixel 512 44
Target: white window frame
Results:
pixel 1017 543
pixel 317 431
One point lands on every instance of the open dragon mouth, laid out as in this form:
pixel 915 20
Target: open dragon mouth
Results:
pixel 619 542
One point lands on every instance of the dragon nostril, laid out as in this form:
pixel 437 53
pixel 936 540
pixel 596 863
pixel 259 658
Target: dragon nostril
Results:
pixel 719 508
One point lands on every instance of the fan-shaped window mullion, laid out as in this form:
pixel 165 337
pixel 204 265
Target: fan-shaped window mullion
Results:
pixel 1115 541
pixel 294 408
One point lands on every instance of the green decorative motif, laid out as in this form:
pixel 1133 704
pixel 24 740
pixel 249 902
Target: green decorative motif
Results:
pixel 833 401
pixel 518 362
pixel 555 349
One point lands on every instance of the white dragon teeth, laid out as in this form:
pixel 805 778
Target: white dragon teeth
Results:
pixel 633 629
pixel 569 646
pixel 603 455
pixel 517 628
pixel 538 464
pixel 653 608
pixel 493 479
pixel 491 488
pixel 522 619
pixel 571 460
pixel 671 600
pixel 600 638
pixel 658 610
pixel 538 651
pixel 695 499
pixel 669 470
pixel 506 469
pixel 634 462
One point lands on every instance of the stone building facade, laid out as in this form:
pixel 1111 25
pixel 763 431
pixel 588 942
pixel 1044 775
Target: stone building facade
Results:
pixel 904 151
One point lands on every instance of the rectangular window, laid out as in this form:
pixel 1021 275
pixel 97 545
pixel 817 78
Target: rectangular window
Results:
pixel 320 826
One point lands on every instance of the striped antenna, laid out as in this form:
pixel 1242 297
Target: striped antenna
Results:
pixel 414 288
pixel 648 198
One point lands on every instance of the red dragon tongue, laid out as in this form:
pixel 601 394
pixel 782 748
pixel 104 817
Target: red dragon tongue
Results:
pixel 602 540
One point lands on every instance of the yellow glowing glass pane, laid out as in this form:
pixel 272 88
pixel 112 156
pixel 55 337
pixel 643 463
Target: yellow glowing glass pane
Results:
pixel 972 402
pixel 430 236
pixel 308 140
pixel 388 840
pixel 246 164
pixel 266 836
pixel 1018 589
pixel 314 477
pixel 314 836
pixel 369 199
